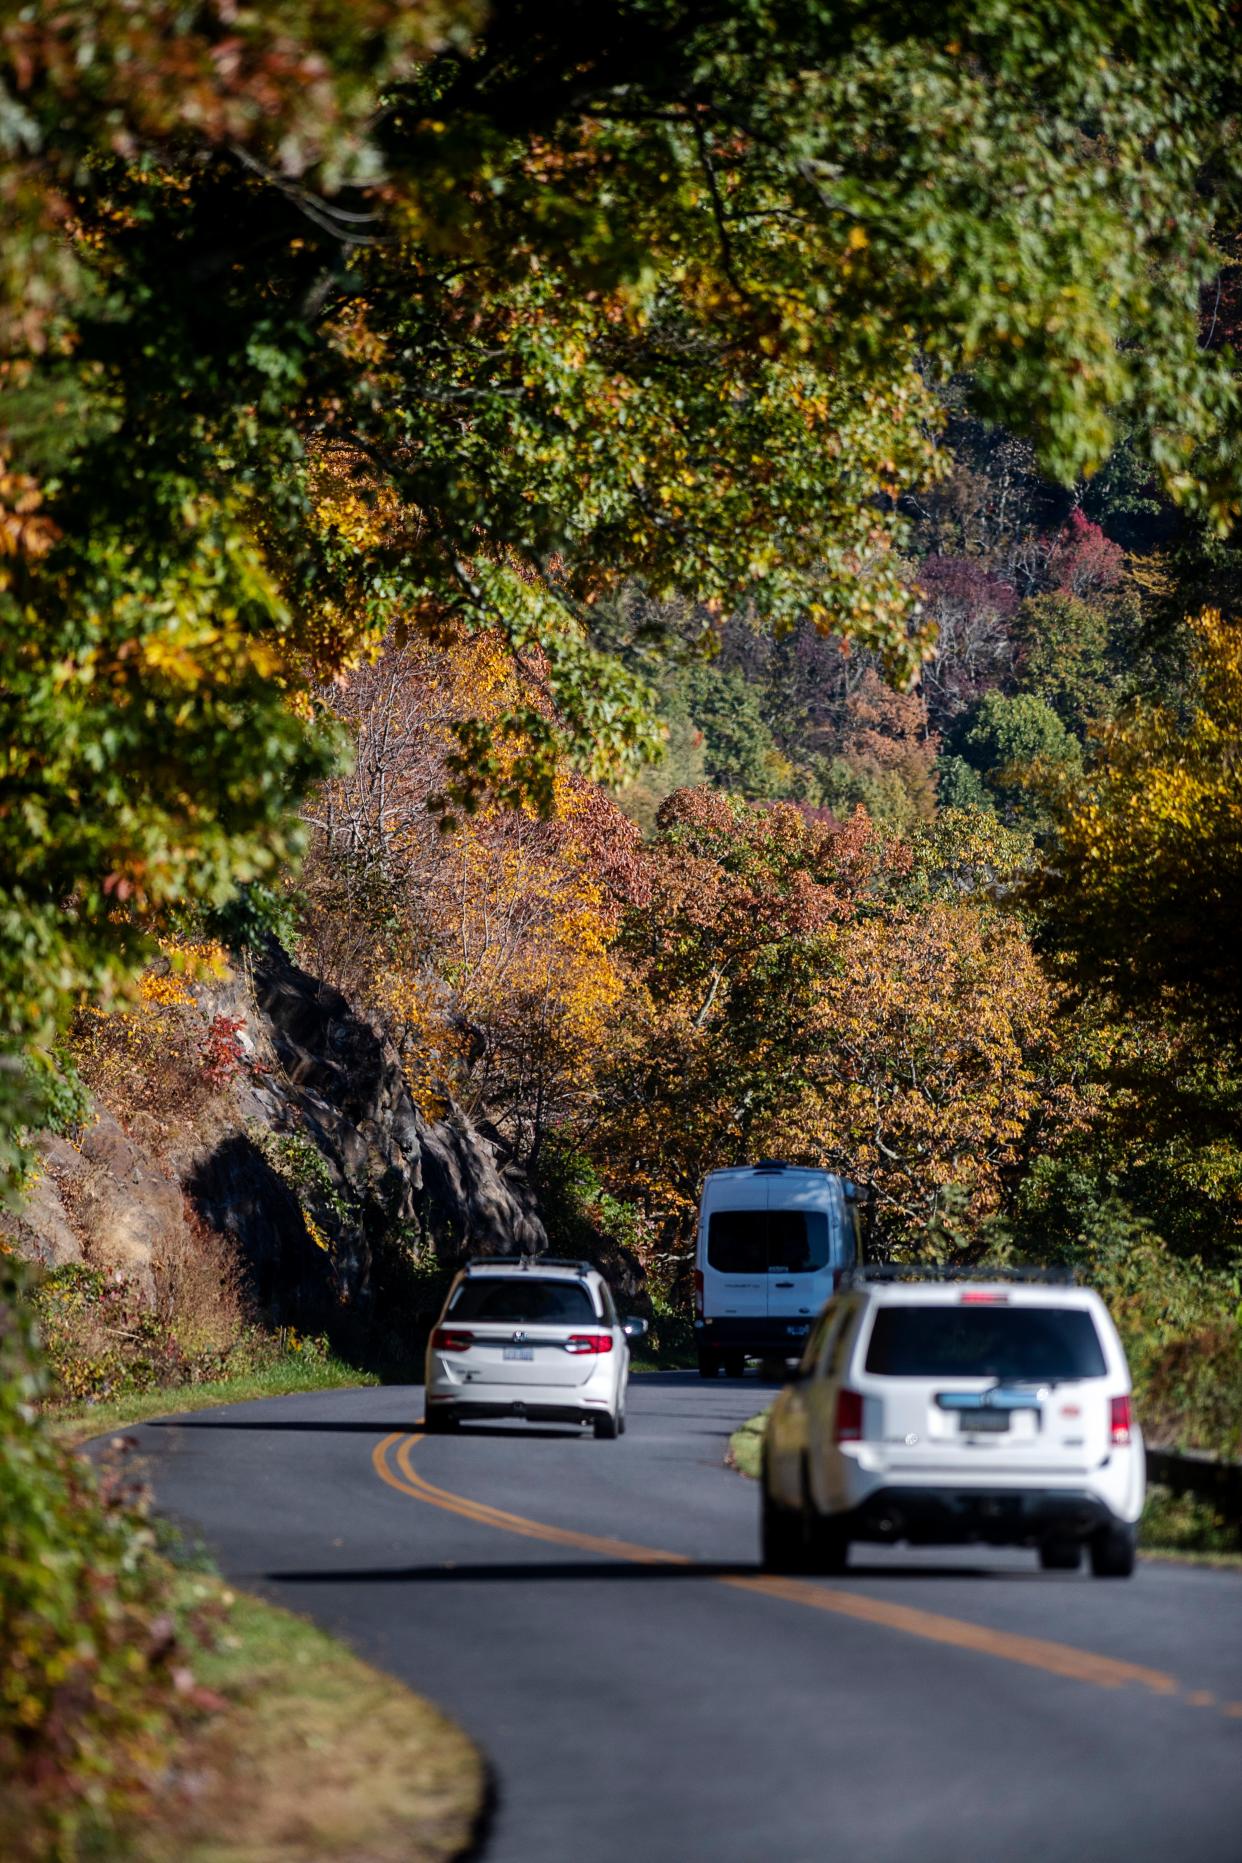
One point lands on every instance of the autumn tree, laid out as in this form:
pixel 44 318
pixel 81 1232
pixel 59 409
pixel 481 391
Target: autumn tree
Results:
pixel 790 1000
pixel 1143 889
pixel 486 951
pixel 557 299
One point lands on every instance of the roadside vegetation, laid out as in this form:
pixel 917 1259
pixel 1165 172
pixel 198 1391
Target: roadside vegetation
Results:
pixel 311 1755
pixel 147 1711
pixel 685 561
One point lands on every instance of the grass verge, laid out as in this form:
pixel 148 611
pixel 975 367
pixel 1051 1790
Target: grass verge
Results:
pixel 1173 1526
pixel 314 1755
pixel 75 1423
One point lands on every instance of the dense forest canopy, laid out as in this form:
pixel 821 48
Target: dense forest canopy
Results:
pixel 321 322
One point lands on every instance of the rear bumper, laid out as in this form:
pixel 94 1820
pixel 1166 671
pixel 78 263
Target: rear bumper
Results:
pixel 535 1410
pixel 965 1516
pixel 781 1338
pixel 542 1403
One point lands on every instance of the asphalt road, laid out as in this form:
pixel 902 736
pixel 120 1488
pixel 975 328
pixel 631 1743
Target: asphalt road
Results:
pixel 593 1614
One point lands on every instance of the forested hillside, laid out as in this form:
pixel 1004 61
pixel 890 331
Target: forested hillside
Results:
pixel 684 560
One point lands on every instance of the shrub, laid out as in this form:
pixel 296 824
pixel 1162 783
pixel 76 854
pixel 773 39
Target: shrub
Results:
pixel 93 1680
pixel 99 1335
pixel 145 1060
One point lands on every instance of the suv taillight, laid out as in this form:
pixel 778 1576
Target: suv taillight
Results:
pixel 1120 1421
pixel 698 1292
pixel 849 1417
pixel 589 1342
pixel 451 1339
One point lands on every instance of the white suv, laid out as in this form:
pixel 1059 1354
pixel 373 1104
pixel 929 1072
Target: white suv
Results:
pixel 529 1337
pixel 943 1411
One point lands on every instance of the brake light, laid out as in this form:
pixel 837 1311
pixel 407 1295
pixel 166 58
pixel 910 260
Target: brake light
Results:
pixel 849 1417
pixel 975 1297
pixel 450 1339
pixel 1120 1421
pixel 589 1342
pixel 698 1292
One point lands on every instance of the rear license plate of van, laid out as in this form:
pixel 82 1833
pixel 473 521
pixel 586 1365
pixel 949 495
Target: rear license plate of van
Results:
pixel 973 1421
pixel 523 1352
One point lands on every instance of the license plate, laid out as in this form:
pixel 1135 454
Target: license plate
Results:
pixel 522 1352
pixel 797 1332
pixel 973 1421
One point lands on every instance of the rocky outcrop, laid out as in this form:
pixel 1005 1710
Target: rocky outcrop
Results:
pixel 310 1155
pixel 325 1112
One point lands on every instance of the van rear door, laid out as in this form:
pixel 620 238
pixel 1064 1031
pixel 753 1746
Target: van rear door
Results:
pixel 733 1252
pixel 807 1241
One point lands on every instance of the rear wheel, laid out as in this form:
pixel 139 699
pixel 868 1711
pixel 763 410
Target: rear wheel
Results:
pixel 827 1545
pixel 438 1423
pixel 1060 1555
pixel 710 1363
pixel 781 1542
pixel 1113 1550
pixel 735 1364
pixel 607 1428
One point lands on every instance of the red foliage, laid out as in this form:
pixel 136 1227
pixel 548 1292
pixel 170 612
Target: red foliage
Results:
pixel 1084 562
pixel 222 1052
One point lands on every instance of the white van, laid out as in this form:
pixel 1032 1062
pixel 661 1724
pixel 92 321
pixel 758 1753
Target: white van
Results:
pixel 773 1239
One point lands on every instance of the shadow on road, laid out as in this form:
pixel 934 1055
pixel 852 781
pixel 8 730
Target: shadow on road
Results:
pixel 406 1426
pixel 514 1572
pixel 523 1572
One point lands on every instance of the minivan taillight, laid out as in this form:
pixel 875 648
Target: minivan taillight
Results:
pixel 1120 1421
pixel 589 1342
pixel 849 1417
pixel 451 1339
pixel 698 1292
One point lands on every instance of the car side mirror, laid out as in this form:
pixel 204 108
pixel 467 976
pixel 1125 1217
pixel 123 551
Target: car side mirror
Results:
pixel 634 1329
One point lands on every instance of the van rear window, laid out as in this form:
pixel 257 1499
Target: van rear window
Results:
pixel 1022 1343
pixel 768 1241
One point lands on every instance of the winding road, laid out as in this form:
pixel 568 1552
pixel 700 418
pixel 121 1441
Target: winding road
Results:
pixel 594 1615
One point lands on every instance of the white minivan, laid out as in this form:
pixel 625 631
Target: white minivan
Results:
pixel 773 1240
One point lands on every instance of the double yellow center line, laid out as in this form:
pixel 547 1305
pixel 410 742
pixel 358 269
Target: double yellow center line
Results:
pixel 393 1462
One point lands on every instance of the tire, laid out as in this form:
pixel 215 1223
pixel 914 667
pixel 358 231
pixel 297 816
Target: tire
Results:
pixel 710 1363
pixel 1113 1550
pixel 781 1546
pixel 1060 1555
pixel 735 1364
pixel 621 1423
pixel 829 1547
pixel 607 1428
pixel 826 1544
pixel 438 1423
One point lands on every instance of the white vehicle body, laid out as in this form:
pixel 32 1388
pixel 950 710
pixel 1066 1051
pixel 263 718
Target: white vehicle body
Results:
pixel 946 1412
pixel 529 1338
pixel 772 1239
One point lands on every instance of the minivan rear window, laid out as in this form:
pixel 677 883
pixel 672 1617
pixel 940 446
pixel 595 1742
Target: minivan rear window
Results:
pixel 768 1241
pixel 524 1302
pixel 1023 1343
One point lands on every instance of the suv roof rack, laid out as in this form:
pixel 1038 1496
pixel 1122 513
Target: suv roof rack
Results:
pixel 890 1271
pixel 528 1261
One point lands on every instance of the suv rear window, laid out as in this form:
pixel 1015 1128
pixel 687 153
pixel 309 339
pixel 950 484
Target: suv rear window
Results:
pixel 768 1241
pixel 1023 1343
pixel 524 1301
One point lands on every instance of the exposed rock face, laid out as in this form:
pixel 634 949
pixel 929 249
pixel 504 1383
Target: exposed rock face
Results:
pixel 313 1153
pixel 327 1100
